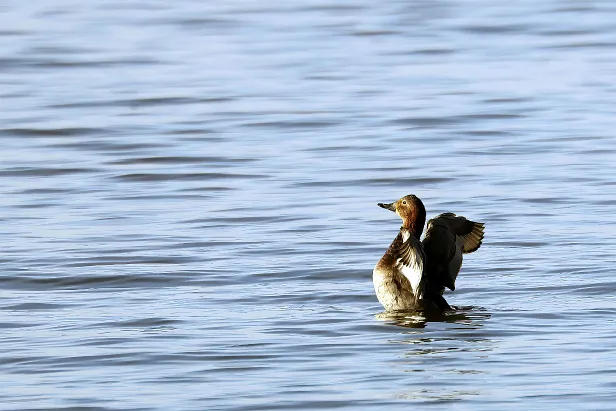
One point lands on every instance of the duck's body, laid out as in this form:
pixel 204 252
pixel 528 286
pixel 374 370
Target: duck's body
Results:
pixel 398 281
pixel 413 275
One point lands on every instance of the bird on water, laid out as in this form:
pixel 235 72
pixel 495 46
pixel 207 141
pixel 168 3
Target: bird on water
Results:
pixel 413 274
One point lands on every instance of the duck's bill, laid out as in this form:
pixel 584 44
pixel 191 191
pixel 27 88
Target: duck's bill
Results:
pixel 389 206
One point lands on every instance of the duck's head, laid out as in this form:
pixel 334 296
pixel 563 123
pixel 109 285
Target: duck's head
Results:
pixel 412 212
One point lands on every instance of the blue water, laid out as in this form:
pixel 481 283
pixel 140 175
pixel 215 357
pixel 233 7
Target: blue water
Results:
pixel 188 203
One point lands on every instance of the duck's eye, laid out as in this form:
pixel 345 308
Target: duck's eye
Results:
pixel 404 202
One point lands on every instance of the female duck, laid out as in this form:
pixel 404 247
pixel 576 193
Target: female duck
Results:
pixel 412 275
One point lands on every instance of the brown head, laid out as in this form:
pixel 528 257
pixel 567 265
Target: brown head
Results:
pixel 412 212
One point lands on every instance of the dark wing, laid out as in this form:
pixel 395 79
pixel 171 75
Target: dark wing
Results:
pixel 471 232
pixel 447 238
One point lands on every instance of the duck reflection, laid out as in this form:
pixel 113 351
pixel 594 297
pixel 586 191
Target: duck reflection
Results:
pixel 470 316
pixel 448 346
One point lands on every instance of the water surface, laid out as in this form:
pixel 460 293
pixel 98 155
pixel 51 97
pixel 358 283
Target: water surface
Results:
pixel 188 203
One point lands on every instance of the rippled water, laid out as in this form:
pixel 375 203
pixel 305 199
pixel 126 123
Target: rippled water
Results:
pixel 188 208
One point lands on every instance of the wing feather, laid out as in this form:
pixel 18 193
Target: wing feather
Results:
pixel 472 241
pixel 410 257
pixel 447 237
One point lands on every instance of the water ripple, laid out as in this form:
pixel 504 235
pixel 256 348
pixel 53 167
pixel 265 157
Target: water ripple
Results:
pixel 189 200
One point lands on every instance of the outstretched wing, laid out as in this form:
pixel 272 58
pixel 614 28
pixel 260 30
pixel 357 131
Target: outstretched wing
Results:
pixel 447 237
pixel 469 231
pixel 409 259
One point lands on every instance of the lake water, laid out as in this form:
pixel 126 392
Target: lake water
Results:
pixel 188 203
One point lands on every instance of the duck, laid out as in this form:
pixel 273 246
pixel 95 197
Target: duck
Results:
pixel 412 275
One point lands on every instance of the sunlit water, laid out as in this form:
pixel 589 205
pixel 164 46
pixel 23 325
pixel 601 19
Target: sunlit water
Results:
pixel 188 203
